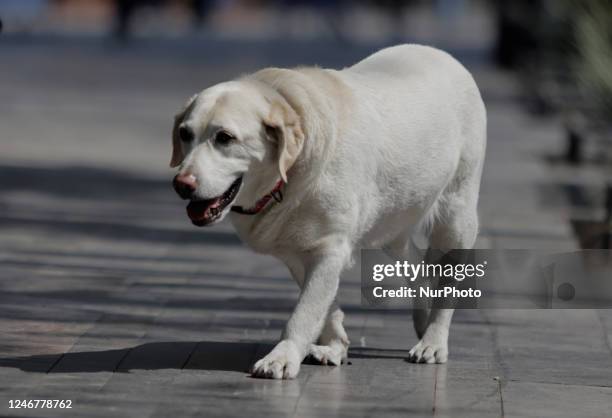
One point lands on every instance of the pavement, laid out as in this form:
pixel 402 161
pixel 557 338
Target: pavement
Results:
pixel 111 299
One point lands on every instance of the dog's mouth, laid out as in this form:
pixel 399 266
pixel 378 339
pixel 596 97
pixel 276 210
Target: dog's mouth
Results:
pixel 207 211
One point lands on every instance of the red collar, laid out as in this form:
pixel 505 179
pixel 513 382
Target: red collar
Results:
pixel 275 194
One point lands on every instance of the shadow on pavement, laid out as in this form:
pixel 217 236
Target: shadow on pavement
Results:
pixel 204 355
pixel 106 204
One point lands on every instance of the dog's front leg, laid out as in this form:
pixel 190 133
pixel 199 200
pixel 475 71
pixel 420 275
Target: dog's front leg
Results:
pixel 322 268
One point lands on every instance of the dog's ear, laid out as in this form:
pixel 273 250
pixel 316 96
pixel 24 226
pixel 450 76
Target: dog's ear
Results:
pixel 177 151
pixel 283 126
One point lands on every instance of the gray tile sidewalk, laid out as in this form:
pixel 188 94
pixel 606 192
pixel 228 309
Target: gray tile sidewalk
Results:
pixel 110 298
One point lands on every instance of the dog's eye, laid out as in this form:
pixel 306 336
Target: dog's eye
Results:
pixel 185 133
pixel 223 138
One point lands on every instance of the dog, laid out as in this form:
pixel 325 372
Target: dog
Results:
pixel 312 164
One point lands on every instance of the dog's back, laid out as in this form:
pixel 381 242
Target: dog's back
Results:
pixel 420 111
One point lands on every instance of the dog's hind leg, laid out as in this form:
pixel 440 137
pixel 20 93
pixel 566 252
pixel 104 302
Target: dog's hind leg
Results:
pixel 455 227
pixel 404 248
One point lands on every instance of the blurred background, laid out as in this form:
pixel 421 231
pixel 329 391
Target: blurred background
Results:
pixel 96 250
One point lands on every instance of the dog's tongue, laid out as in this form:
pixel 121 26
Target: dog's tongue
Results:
pixel 203 210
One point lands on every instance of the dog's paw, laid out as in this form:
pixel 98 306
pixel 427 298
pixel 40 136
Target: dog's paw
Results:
pixel 433 348
pixel 283 362
pixel 327 355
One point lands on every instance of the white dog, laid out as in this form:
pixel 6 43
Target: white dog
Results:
pixel 313 164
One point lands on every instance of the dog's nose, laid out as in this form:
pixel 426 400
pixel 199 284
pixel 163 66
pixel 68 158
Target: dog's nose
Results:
pixel 185 184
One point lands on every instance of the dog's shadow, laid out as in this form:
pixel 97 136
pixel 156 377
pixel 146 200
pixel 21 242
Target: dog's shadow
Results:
pixel 204 355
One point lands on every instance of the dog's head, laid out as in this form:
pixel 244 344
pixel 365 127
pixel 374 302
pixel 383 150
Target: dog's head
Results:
pixel 225 134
